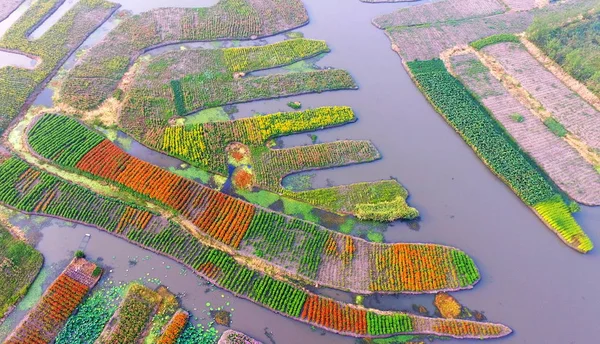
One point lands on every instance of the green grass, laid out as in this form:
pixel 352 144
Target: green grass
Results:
pixel 20 264
pixel 555 127
pixel 494 39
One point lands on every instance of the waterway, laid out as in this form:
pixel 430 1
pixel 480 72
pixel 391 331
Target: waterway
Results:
pixel 531 281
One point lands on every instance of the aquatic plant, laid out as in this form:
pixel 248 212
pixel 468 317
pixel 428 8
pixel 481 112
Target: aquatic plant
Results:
pixel 491 143
pixel 132 316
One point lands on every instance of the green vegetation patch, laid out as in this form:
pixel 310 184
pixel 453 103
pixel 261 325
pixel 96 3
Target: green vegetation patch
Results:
pixel 555 127
pixel 380 201
pixel 494 39
pixel 67 149
pixel 19 265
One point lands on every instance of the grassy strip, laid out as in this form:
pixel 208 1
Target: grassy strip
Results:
pixel 555 127
pixel 495 147
pixel 494 39
pixel 570 38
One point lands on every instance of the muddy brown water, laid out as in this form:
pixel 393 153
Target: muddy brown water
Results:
pixel 530 281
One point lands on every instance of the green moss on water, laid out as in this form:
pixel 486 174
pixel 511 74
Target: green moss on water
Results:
pixel 192 172
pixel 35 291
pixel 262 198
pixel 292 207
pixel 375 236
pixel 300 66
pixel 298 182
pixel 348 226
pixel 395 340
pixel 205 116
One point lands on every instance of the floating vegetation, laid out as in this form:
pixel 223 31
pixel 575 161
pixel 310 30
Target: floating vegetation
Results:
pixel 447 305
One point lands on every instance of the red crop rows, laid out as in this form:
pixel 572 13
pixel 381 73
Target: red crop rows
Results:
pixel 49 315
pixel 223 217
pixel 331 314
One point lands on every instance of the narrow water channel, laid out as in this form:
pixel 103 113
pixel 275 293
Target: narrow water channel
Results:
pixel 530 281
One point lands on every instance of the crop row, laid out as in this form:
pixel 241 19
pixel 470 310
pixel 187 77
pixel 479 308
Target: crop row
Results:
pixel 493 145
pixel 174 241
pixel 541 139
pixel 97 75
pixel 17 85
pixel 201 93
pixel 174 328
pixel 44 321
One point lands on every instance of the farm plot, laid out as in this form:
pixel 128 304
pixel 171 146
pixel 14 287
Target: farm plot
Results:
pixel 428 42
pixel 283 297
pixel 44 321
pixel 180 82
pixel 209 145
pixel 524 5
pixel 229 220
pixel 99 72
pixel 19 264
pixel 562 162
pixel 497 149
pixel 205 145
pixel 18 85
pixel 575 114
pixel 9 6
pixel 441 11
